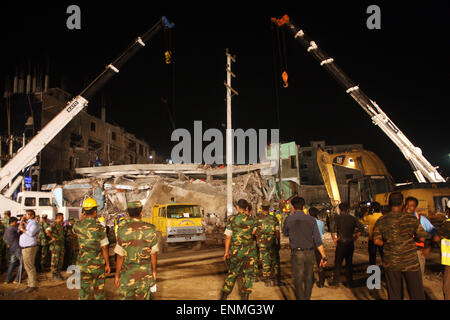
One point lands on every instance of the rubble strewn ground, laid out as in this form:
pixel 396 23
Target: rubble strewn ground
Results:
pixel 119 187
pixel 180 269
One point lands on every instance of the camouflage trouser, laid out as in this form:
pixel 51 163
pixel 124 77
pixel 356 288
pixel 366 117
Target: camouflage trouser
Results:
pixel 2 254
pixel 268 262
pixel 75 257
pixel 94 282
pixel 44 254
pixel 130 290
pixel 57 257
pixel 240 265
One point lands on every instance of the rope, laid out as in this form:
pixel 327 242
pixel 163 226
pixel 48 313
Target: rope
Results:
pixel 277 98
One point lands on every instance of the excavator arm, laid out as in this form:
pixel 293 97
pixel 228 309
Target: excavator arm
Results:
pixel 364 161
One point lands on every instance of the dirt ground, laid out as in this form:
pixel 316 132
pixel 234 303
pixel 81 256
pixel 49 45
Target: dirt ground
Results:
pixel 185 274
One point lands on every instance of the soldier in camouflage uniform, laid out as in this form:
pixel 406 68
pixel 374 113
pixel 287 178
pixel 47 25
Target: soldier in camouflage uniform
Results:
pixel 71 244
pixel 56 234
pixel 277 266
pixel 267 238
pixel 395 231
pixel 6 216
pixel 93 255
pixel 43 242
pixel 4 248
pixel 240 251
pixel 136 249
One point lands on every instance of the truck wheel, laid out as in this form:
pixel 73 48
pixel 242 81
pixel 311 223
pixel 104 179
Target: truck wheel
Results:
pixel 162 243
pixel 197 246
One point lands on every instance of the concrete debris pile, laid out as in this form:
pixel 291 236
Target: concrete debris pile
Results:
pixel 113 188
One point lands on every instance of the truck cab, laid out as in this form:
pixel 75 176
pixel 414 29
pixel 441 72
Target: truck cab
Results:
pixel 40 202
pixel 178 223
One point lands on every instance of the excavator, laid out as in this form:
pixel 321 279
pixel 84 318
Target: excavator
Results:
pixel 11 175
pixel 433 192
pixel 376 182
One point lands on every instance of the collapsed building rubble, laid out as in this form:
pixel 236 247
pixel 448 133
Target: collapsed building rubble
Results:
pixel 114 186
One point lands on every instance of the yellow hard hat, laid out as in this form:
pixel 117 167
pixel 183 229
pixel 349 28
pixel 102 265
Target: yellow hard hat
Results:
pixel 89 203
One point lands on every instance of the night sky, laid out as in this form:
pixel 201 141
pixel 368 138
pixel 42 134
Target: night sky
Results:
pixel 404 67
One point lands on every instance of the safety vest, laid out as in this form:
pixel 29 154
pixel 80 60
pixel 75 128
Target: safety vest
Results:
pixel 445 251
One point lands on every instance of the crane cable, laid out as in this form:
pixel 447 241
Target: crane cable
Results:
pixel 281 43
pixel 277 98
pixel 169 59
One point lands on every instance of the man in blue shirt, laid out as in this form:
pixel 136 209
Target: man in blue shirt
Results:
pixel 314 212
pixel 12 239
pixel 28 242
pixel 423 249
pixel 304 237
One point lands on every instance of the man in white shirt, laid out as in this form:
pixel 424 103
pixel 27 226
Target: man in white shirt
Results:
pixel 28 242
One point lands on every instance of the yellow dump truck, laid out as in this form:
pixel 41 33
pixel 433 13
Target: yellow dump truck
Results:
pixel 178 223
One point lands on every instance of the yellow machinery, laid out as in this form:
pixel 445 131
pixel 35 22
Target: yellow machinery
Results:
pixel 178 223
pixel 376 183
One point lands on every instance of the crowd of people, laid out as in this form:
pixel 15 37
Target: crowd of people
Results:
pixel 401 236
pixel 31 245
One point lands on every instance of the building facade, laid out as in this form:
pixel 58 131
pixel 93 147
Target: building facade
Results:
pixel 86 141
pixel 309 171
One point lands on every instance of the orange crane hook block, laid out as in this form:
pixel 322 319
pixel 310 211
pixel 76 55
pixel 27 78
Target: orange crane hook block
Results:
pixel 168 56
pixel 284 76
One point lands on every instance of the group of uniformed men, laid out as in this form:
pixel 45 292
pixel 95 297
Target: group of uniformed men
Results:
pixel 251 240
pixel 136 249
pixel 55 239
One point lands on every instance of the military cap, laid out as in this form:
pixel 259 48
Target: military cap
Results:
pixel 134 205
pixel 44 216
pixel 266 203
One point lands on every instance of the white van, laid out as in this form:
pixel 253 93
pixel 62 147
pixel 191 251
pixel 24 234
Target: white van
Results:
pixel 42 203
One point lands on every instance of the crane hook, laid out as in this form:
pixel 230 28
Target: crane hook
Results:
pixel 284 76
pixel 168 56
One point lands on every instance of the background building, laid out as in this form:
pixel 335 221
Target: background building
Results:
pixel 86 141
pixel 309 170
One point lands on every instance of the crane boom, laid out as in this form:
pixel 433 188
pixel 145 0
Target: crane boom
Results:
pixel 27 155
pixel 422 169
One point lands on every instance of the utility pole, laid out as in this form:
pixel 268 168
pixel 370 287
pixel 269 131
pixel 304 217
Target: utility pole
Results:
pixel 230 158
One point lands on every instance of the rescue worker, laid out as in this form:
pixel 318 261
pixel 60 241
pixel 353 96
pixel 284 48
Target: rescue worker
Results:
pixel 70 244
pixel 277 266
pixel 6 217
pixel 286 211
pixel 423 247
pixel 2 247
pixel 56 233
pixel 240 251
pixel 267 239
pixel 259 266
pixel 136 249
pixel 117 221
pixel 395 230
pixel 93 255
pixel 443 234
pixel 43 242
